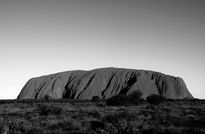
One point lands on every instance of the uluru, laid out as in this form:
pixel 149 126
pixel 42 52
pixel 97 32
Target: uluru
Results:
pixel 104 83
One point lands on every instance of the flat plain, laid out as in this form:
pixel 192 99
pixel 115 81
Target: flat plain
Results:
pixel 95 117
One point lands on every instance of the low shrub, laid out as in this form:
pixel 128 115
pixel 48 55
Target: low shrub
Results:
pixel 47 97
pixel 66 126
pixel 48 110
pixel 35 131
pixel 132 99
pixel 96 125
pixel 95 98
pixel 121 123
pixel 135 97
pixel 155 99
pixel 117 100
pixel 3 129
pixel 95 114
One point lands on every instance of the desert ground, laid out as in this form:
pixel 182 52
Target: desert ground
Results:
pixel 95 117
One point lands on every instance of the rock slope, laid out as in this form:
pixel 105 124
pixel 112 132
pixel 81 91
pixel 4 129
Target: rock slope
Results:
pixel 105 83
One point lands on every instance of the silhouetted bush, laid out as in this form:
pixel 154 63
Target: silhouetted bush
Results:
pixel 3 129
pixel 121 99
pixel 117 100
pixel 155 99
pixel 182 130
pixel 135 97
pixel 47 97
pixel 96 98
pixel 95 114
pixel 48 110
pixel 95 125
pixel 66 126
pixel 121 123
pixel 35 131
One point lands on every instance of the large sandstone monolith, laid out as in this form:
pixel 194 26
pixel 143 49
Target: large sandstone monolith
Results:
pixel 105 83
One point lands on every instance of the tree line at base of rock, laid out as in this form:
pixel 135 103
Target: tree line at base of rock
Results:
pixel 134 98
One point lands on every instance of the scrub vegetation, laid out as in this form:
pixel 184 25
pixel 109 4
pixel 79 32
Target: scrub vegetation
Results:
pixel 96 117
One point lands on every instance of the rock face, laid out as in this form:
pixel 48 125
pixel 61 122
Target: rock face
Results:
pixel 105 83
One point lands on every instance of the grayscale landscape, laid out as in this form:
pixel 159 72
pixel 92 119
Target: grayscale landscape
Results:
pixel 102 67
pixel 105 100
pixel 65 116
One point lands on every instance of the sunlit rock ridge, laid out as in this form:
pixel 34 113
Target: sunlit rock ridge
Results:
pixel 105 83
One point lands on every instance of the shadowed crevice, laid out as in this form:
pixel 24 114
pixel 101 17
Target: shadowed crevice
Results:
pixel 87 84
pixel 160 82
pixel 108 84
pixel 68 92
pixel 129 84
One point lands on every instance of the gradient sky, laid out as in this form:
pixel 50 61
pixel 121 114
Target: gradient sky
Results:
pixel 39 37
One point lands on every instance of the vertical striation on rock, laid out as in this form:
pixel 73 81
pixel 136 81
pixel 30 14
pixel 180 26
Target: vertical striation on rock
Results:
pixel 105 83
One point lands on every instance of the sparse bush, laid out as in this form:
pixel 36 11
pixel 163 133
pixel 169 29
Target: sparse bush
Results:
pixel 155 99
pixel 121 123
pixel 16 126
pixel 3 129
pixel 95 125
pixel 135 97
pixel 95 98
pixel 117 100
pixel 35 131
pixel 66 126
pixel 47 97
pixel 95 114
pixel 48 110
pixel 121 99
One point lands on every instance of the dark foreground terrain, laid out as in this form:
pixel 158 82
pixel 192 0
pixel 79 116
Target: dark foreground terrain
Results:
pixel 69 117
